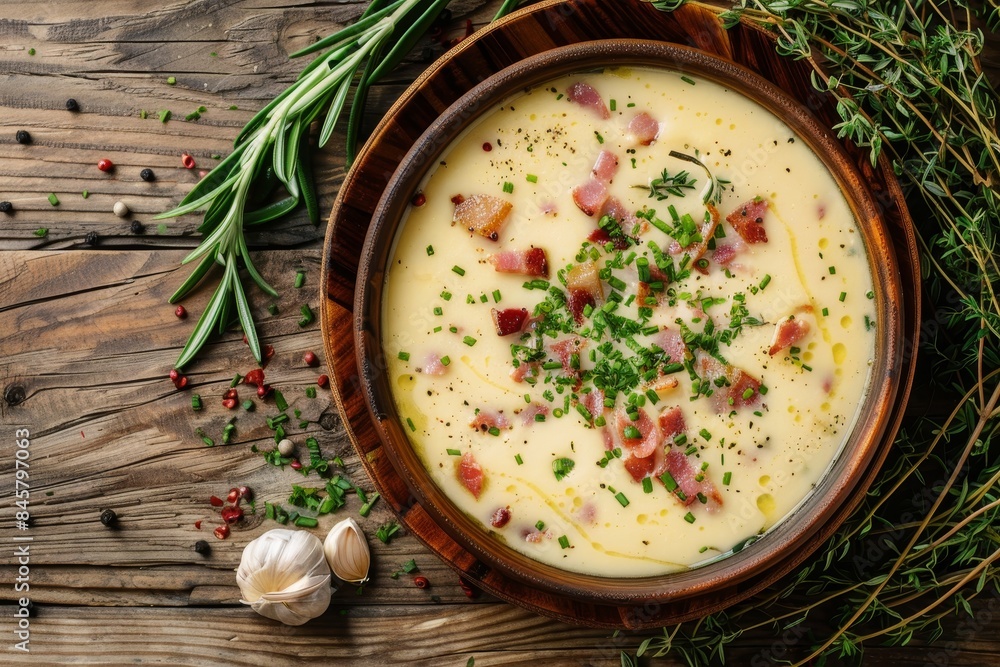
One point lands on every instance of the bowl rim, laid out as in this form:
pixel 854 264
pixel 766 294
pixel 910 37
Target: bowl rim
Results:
pixel 842 475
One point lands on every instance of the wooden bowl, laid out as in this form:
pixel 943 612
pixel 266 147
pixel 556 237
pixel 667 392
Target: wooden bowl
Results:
pixel 847 474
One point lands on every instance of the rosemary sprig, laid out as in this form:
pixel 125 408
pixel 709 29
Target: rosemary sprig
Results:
pixel 714 187
pixel 667 185
pixel 271 151
pixel 907 82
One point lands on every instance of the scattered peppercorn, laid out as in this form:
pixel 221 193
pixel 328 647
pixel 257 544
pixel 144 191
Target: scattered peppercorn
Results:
pixel 147 175
pixel 6 207
pixel 104 164
pixel 296 464
pixel 187 161
pixel 310 358
pixel 90 238
pixel 109 518
pixel 22 137
pixel 419 199
pixel 322 380
pixel 121 209
pixel 180 312
pixel 202 547
pixel 421 582
pixel 137 227
pixel 286 447
pixel 72 105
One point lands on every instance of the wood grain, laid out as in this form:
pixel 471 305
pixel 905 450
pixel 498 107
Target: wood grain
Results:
pixel 86 338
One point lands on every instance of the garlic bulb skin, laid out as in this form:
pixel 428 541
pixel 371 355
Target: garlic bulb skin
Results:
pixel 347 552
pixel 284 575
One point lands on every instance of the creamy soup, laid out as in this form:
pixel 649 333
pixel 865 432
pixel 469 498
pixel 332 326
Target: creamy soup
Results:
pixel 629 322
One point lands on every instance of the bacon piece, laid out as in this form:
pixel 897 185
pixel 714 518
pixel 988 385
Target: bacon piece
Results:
pixel 725 253
pixel 663 384
pixel 509 320
pixel 523 370
pixel 594 402
pixel 483 214
pixel 706 230
pixel 528 414
pixel 737 381
pixel 565 349
pixel 642 293
pixel 583 286
pixel 530 262
pixel 748 220
pixel 484 420
pixel 671 423
pixel 672 343
pixel 684 473
pixel 639 468
pixel 788 332
pixel 606 166
pixel 433 365
pixel 470 474
pixel 589 197
pixel 649 435
pixel 644 128
pixel 587 96
pixel 535 536
pixel 601 237
pixel 500 517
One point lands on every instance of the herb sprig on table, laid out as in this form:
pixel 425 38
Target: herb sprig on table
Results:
pixel 924 544
pixel 272 151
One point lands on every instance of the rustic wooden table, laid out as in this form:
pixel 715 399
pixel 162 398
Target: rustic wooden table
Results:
pixel 87 339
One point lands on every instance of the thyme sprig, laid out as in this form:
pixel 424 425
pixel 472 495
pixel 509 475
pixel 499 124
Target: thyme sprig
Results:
pixel 712 192
pixel 669 185
pixel 908 85
pixel 271 152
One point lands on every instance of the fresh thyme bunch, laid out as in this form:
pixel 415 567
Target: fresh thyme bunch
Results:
pixel 272 150
pixel 926 541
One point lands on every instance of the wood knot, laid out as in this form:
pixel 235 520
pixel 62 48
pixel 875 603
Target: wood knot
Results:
pixel 328 421
pixel 15 394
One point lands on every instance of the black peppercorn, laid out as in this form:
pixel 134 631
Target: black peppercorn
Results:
pixel 137 227
pixel 109 518
pixel 90 238
pixel 202 547
pixel 6 207
pixel 147 175
pixel 71 105
pixel 22 137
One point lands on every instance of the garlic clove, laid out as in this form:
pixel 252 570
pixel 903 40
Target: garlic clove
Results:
pixel 347 552
pixel 283 575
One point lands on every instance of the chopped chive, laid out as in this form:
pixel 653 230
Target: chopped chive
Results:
pixel 470 299
pixel 531 178
pixel 669 481
pixel 762 389
pixel 445 360
pixel 614 104
pixel 273 309
pixel 833 270
pixel 457 269
pixel 869 294
pixel 307 315
pixel 508 187
pixel 622 500
pixel 446 295
pixel 195 402
pixel 496 296
pixel 647 484
pixel 85 194
pixel 689 517
pixel 705 433
pixel 747 393
pixel 539 417
pixel 409 422
pixel 826 312
pixel 437 329
pixel 53 199
pixel 843 295
pixel 518 459
pixel 600 139
pixel 494 431
pixel 235 381
pixel 438 310
pixel 367 507
pixel 306 522
pixel 539 525
pixel 300 279
pixel 687 79
pixel 165 115
pixel 564 542
pixel 454 452
pixel 280 403
pixel 430 250
pixel 403 356
pixel 727 478
pixel 469 340
pixel 690 450
pixel 248 405
pixel 765 280
pixel 310 392
pixel 41 232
